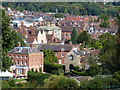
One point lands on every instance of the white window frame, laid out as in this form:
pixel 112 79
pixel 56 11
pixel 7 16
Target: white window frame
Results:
pixel 26 57
pixel 62 54
pixel 56 54
pixel 60 61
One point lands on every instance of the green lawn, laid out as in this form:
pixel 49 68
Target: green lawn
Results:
pixel 17 80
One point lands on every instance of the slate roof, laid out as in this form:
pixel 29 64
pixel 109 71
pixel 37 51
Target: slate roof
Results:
pixel 24 50
pixel 55 48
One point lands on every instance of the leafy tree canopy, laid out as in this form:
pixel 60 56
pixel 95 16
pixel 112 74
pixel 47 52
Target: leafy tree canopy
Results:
pixel 9 39
pixel 55 81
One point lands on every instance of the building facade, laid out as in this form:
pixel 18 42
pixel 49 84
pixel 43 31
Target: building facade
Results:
pixel 26 58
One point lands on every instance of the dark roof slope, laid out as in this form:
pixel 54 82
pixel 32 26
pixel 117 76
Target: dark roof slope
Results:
pixel 24 50
pixel 65 48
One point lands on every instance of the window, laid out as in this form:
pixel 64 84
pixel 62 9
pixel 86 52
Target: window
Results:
pixel 60 61
pixel 25 57
pixel 71 57
pixel 56 54
pixel 17 56
pixel 25 62
pixel 17 62
pixel 66 34
pixel 14 56
pixel 21 56
pixel 20 71
pixel 22 62
pixel 62 55
pixel 30 32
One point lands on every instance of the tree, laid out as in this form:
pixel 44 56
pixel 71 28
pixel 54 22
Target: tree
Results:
pixel 91 84
pixel 58 15
pixel 55 81
pixel 97 82
pixel 105 23
pixel 93 70
pixel 37 77
pixel 74 36
pixel 108 54
pixel 116 76
pixel 49 62
pixel 49 56
pixel 10 39
pixel 5 84
pixel 83 37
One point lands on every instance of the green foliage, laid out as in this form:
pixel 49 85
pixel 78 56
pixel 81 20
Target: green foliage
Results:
pixel 55 81
pixel 74 36
pixel 58 15
pixel 12 83
pixel 92 60
pixel 10 39
pixel 36 71
pixel 80 73
pixel 109 53
pixel 52 68
pixel 6 62
pixel 49 63
pixel 98 82
pixel 84 37
pixel 8 84
pixel 97 45
pixel 5 84
pixel 105 23
pixel 91 84
pixel 116 77
pixel 93 70
pixel 82 8
pixel 37 77
pixel 49 56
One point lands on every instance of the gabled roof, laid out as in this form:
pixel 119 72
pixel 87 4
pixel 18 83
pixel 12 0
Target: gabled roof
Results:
pixel 55 48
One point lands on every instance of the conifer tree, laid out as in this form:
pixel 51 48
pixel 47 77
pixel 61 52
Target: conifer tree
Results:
pixel 9 40
pixel 74 36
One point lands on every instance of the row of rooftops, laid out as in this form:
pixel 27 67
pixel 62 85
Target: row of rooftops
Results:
pixel 55 48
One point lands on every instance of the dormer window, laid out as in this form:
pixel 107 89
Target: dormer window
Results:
pixel 71 57
pixel 62 49
pixel 62 55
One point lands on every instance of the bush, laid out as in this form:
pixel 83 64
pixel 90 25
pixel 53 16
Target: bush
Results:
pixel 55 81
pixel 37 77
pixel 5 84
pixel 49 67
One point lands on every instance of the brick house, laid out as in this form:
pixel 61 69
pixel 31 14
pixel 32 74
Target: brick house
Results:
pixel 60 50
pixel 25 58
